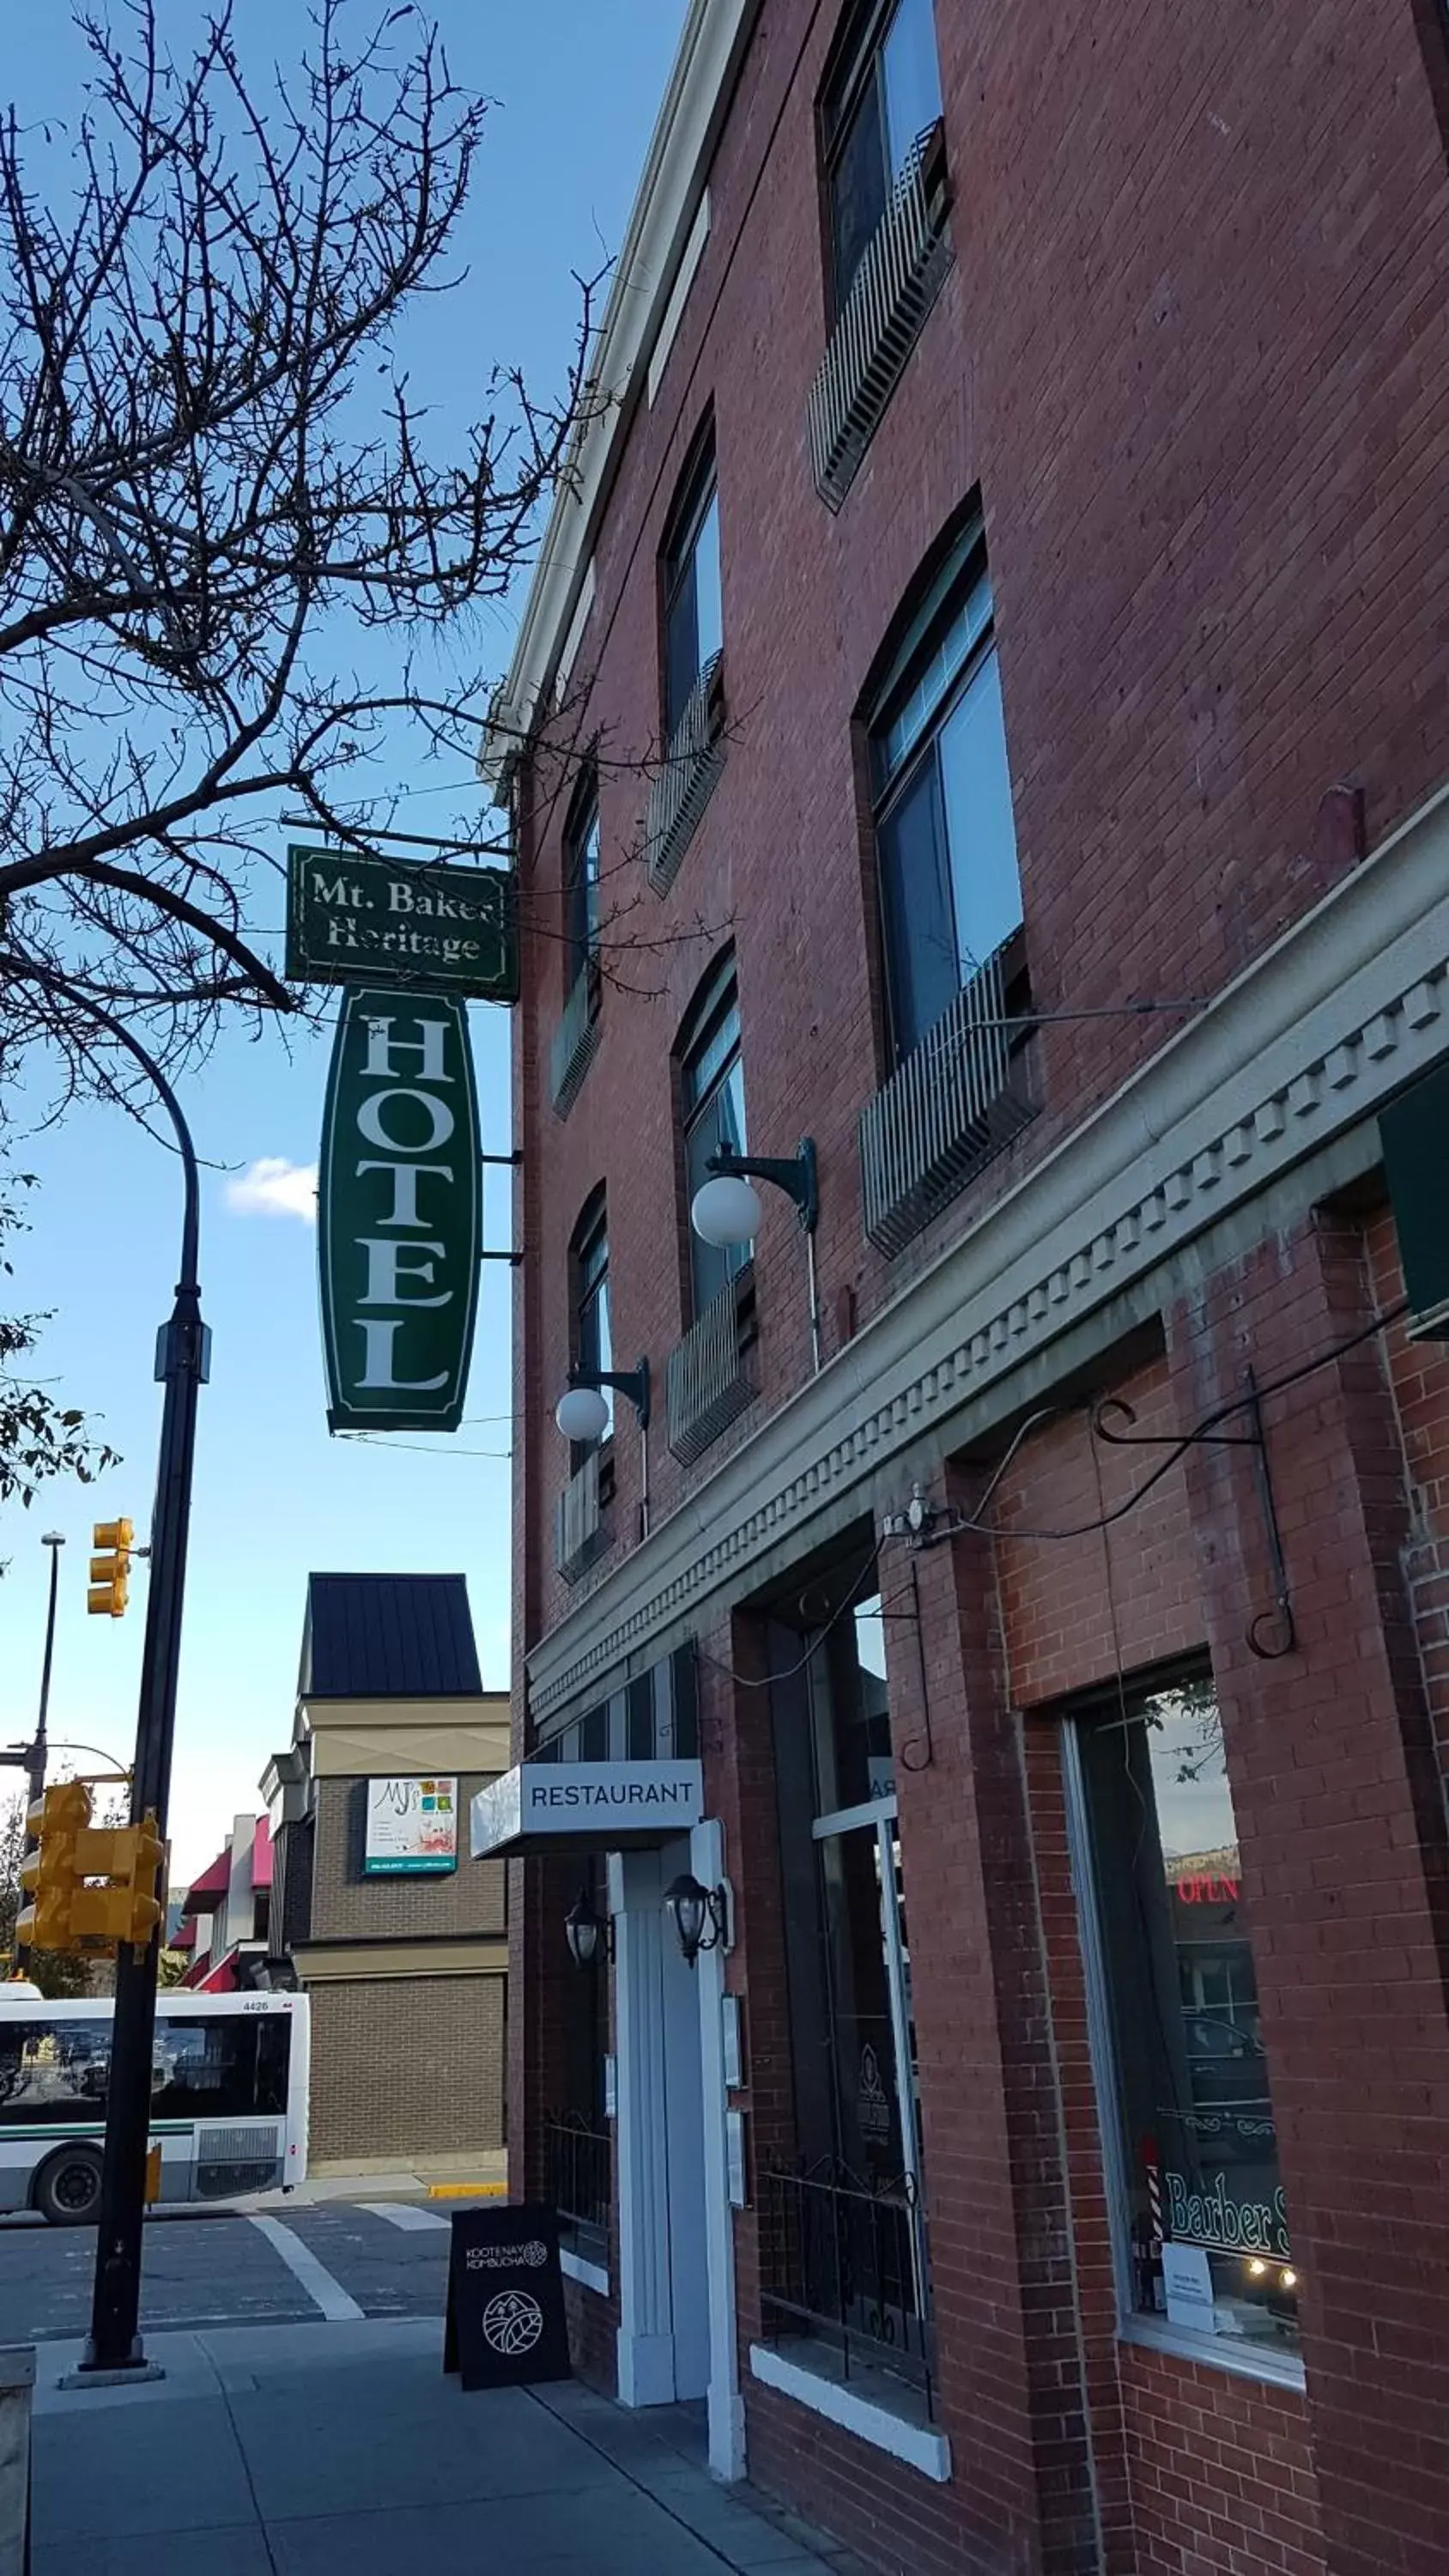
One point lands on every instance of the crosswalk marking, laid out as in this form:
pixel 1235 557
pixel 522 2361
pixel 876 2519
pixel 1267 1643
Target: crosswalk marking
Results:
pixel 402 2213
pixel 328 2294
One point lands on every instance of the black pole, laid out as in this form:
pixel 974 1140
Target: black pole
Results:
pixel 35 1758
pixel 181 1362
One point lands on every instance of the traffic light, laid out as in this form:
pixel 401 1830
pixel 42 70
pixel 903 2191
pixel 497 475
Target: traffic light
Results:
pixel 128 1908
pixel 110 1569
pixel 51 1876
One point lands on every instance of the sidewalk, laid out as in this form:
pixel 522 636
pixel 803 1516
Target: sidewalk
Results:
pixel 298 2450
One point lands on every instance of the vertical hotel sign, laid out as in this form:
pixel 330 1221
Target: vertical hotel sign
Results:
pixel 399 1213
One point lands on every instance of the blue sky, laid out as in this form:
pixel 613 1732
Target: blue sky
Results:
pixel 577 87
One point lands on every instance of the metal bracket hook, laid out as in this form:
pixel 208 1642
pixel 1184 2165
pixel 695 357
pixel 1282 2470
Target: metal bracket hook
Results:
pixel 1260 1638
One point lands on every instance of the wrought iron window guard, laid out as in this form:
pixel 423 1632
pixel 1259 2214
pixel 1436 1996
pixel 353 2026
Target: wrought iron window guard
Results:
pixel 686 778
pixel 707 1380
pixel 842 2263
pixel 576 1038
pixel 951 1106
pixel 578 2179
pixel 880 321
pixel 579 1534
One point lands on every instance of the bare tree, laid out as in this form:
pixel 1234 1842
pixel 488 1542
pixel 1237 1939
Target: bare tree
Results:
pixel 39 1439
pixel 207 450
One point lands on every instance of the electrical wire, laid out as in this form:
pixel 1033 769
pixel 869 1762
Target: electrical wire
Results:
pixel 746 1681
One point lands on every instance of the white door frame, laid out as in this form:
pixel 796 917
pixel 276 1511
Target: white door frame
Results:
pixel 645 2339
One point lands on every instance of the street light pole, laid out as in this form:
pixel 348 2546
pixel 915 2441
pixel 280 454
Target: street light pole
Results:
pixel 35 1757
pixel 182 1363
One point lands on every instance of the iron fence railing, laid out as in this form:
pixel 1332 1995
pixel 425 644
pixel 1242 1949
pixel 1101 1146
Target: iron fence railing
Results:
pixel 576 1038
pixel 706 1380
pixel 844 2263
pixel 893 291
pixel 579 1534
pixel 578 2179
pixel 686 778
pixel 955 1102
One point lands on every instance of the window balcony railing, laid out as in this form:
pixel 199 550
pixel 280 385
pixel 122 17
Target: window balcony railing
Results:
pixel 842 2264
pixel 578 2178
pixel 707 1380
pixel 579 1535
pixel 893 290
pixel 686 779
pixel 576 1039
pixel 952 1105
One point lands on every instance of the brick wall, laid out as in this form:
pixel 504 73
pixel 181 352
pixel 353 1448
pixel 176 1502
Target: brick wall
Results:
pixel 1194 351
pixel 406 2066
pixel 1342 1823
pixel 346 1906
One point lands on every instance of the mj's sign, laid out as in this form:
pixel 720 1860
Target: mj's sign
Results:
pixel 427 929
pixel 399 1213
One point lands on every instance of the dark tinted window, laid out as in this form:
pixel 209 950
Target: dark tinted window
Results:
pixel 885 94
pixel 202 2069
pixel 693 611
pixel 712 1094
pixel 945 835
pixel 581 878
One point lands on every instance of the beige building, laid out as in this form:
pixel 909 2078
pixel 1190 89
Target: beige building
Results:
pixel 399 1939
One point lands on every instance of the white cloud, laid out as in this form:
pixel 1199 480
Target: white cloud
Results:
pixel 274 1187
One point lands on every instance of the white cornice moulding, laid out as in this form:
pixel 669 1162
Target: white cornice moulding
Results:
pixel 666 205
pixel 1335 1017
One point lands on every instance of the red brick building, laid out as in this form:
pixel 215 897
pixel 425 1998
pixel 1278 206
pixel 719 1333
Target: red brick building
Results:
pixel 1018 513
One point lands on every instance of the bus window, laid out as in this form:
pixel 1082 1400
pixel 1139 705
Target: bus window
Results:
pixel 218 2069
pixel 52 2071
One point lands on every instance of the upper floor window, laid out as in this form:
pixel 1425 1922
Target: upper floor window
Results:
pixel 945 839
pixel 885 94
pixel 592 1340
pixel 581 877
pixel 693 613
pixel 712 1099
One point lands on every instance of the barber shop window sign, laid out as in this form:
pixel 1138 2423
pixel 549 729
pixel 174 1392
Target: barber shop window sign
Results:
pixel 399 1213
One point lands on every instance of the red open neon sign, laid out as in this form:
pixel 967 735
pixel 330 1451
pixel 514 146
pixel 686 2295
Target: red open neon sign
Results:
pixel 1209 1888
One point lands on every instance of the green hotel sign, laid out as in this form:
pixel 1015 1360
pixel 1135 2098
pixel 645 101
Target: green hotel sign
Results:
pixel 429 929
pixel 400 1206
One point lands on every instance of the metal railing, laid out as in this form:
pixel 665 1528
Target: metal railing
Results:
pixel 579 1535
pixel 686 779
pixel 893 290
pixel 707 1383
pixel 844 2263
pixel 578 2178
pixel 952 1105
pixel 576 1039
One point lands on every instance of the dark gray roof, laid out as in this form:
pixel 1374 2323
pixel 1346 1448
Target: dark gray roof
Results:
pixel 388 1636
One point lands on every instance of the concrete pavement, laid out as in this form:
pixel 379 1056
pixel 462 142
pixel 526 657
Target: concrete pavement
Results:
pixel 290 2450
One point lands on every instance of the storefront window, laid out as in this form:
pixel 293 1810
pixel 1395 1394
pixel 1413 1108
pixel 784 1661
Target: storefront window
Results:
pixel 847 2215
pixel 1209 2243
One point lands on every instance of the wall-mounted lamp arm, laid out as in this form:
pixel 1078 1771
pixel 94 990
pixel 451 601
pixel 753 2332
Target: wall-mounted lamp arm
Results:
pixel 633 1384
pixel 795 1174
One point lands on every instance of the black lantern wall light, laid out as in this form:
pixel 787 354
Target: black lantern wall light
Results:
pixel 700 1916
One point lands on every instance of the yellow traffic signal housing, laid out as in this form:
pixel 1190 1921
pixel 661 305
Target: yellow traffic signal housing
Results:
pixel 110 1568
pixel 51 1876
pixel 129 1857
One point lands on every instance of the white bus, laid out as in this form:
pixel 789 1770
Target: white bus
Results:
pixel 228 2099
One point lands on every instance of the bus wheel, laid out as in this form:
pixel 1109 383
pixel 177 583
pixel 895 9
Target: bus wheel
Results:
pixel 68 2189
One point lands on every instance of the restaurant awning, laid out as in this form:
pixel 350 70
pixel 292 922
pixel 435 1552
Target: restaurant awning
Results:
pixel 563 1806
